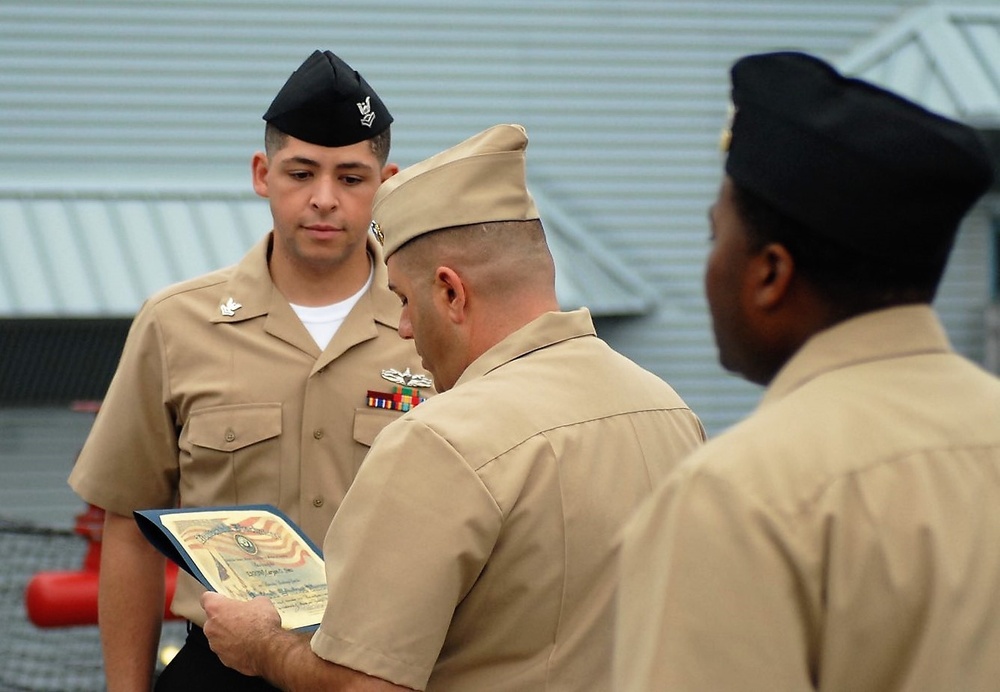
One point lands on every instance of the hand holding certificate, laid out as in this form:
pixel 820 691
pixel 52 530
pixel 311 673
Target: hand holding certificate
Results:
pixel 243 552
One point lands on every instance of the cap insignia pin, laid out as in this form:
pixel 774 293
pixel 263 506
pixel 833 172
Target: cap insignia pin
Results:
pixel 377 230
pixel 229 308
pixel 367 115
pixel 726 137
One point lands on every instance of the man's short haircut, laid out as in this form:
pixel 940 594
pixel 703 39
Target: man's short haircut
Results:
pixel 849 281
pixel 275 139
pixel 505 257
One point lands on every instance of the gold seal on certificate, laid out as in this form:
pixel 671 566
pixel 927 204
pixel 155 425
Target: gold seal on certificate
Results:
pixel 243 552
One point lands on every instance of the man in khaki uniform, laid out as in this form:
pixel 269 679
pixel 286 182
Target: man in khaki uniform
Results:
pixel 250 384
pixel 844 536
pixel 473 550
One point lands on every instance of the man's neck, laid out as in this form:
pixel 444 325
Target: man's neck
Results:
pixel 314 287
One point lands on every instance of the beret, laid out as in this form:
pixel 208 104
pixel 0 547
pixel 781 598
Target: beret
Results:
pixel 480 180
pixel 328 103
pixel 850 161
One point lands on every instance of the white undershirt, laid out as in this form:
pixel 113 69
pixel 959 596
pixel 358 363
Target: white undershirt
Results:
pixel 324 321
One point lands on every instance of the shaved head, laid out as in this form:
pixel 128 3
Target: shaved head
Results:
pixel 502 259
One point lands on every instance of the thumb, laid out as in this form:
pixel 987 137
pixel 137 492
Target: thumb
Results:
pixel 211 600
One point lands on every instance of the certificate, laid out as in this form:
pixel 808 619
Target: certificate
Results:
pixel 243 552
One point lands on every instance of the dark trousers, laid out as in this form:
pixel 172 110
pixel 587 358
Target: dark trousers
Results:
pixel 196 668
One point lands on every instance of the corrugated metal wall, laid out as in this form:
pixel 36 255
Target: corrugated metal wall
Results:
pixel 623 102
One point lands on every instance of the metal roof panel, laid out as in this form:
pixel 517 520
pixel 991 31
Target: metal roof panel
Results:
pixel 65 253
pixel 945 57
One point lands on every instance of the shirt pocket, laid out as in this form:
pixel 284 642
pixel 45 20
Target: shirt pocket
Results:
pixel 368 423
pixel 233 455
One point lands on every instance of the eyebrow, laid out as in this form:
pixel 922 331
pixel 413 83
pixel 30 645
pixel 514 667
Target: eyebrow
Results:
pixel 346 165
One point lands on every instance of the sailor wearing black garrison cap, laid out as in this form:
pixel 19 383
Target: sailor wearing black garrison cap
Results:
pixel 327 102
pixel 255 383
pixel 845 535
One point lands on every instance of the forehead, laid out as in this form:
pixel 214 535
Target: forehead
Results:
pixel 393 270
pixel 357 154
pixel 725 198
pixel 724 208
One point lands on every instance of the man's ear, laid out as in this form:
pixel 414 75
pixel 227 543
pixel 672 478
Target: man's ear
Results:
pixel 259 166
pixel 450 293
pixel 771 273
pixel 389 170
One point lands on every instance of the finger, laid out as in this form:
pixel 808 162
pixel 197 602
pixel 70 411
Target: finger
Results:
pixel 210 600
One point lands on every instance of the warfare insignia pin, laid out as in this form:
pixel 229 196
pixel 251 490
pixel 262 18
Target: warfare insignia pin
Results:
pixel 406 378
pixel 367 115
pixel 229 308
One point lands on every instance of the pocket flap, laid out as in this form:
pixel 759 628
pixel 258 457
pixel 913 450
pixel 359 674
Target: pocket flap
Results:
pixel 228 428
pixel 368 422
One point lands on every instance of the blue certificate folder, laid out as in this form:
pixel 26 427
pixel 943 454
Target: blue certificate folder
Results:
pixel 244 551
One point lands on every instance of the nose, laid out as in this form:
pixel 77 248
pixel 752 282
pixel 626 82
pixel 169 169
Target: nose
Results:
pixel 324 195
pixel 405 329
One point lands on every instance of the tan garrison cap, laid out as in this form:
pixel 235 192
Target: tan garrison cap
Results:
pixel 478 181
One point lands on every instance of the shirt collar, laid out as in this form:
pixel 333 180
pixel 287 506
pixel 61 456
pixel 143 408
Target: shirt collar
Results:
pixel 545 330
pixel 879 335
pixel 251 287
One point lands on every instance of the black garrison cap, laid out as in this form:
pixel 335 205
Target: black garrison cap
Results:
pixel 853 162
pixel 327 102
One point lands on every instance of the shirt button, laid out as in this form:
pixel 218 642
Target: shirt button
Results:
pixel 318 433
pixel 230 435
pixel 318 502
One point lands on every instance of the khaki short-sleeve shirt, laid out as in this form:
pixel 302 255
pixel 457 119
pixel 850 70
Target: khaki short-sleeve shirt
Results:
pixel 213 406
pixel 473 551
pixel 846 536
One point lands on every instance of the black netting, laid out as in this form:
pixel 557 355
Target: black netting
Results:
pixel 37 518
pixel 56 659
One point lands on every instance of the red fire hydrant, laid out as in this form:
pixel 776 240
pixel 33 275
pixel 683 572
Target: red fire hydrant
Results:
pixel 67 598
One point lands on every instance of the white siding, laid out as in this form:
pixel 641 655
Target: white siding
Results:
pixel 623 102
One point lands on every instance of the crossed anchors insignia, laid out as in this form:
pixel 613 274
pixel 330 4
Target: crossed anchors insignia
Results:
pixel 367 115
pixel 406 378
pixel 229 308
